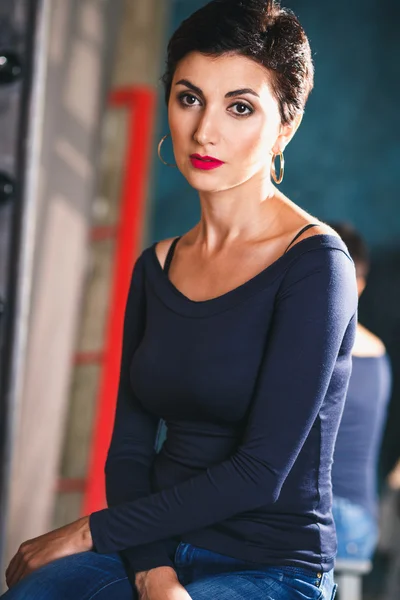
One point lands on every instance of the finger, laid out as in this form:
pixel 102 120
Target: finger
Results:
pixel 12 568
pixel 12 561
pixel 18 573
pixel 23 572
pixel 18 567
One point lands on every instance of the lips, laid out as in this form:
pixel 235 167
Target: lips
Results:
pixel 205 163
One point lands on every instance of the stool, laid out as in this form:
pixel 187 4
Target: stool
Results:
pixel 348 576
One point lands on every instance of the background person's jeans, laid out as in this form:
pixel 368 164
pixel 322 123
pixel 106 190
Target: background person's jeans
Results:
pixel 356 529
pixel 206 576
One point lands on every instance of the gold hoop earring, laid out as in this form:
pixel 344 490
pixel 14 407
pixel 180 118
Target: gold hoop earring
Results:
pixel 279 179
pixel 159 151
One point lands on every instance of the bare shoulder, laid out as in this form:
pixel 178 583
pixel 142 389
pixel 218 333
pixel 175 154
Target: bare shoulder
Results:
pixel 319 228
pixel 367 343
pixel 162 250
pixel 298 219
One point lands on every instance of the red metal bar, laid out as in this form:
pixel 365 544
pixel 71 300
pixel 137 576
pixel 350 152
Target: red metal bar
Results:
pixel 141 104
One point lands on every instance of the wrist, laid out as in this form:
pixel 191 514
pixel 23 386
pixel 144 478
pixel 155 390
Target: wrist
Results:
pixel 85 535
pixel 165 574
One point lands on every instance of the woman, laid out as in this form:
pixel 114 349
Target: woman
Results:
pixel 239 335
pixel 354 473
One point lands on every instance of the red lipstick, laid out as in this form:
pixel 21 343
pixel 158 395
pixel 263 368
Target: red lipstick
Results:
pixel 205 163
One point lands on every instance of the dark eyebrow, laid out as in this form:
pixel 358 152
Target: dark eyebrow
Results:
pixel 198 91
pixel 190 86
pixel 241 93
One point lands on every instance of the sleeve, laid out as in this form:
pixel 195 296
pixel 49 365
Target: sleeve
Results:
pixel 132 448
pixel 315 307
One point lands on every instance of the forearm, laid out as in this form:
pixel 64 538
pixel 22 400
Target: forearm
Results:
pixel 237 485
pixel 146 558
pixel 128 480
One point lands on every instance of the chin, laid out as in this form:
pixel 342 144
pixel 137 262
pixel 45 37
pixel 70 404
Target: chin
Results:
pixel 210 187
pixel 206 181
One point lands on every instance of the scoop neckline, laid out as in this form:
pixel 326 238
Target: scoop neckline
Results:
pixel 178 301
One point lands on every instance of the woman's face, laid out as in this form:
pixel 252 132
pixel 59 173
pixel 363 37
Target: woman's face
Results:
pixel 224 108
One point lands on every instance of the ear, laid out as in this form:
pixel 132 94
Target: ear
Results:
pixel 286 134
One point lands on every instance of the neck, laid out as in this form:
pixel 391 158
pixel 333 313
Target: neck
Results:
pixel 242 212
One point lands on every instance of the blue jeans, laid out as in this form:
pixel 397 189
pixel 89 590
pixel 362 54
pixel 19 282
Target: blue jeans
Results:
pixel 205 575
pixel 356 530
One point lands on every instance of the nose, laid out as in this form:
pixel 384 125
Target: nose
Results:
pixel 207 131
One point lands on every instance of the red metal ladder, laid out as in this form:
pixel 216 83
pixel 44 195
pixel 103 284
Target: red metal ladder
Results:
pixel 140 104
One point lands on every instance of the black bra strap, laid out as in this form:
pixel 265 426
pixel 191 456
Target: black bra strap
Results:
pixel 306 228
pixel 172 248
pixel 170 255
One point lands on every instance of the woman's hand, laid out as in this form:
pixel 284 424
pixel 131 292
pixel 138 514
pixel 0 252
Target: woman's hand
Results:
pixel 40 551
pixel 161 583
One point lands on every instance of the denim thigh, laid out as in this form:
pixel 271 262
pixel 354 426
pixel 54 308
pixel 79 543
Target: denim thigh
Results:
pixel 356 530
pixel 259 585
pixel 79 577
pixel 207 575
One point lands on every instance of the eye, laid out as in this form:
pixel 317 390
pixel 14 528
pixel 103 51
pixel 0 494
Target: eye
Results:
pixel 242 110
pixel 188 99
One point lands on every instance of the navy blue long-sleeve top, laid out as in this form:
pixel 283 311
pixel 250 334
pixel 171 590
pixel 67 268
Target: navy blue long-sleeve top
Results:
pixel 354 473
pixel 251 385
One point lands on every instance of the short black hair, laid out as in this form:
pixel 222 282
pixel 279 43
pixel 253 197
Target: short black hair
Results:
pixel 356 246
pixel 258 29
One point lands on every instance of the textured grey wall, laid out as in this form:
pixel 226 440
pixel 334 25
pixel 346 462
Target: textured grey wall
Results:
pixel 81 36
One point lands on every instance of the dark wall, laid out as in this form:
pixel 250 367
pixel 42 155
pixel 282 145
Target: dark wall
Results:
pixel 344 161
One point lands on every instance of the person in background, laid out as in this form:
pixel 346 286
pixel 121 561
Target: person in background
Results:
pixel 354 475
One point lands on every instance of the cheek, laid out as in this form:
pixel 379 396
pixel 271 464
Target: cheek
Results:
pixel 173 123
pixel 180 125
pixel 254 142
